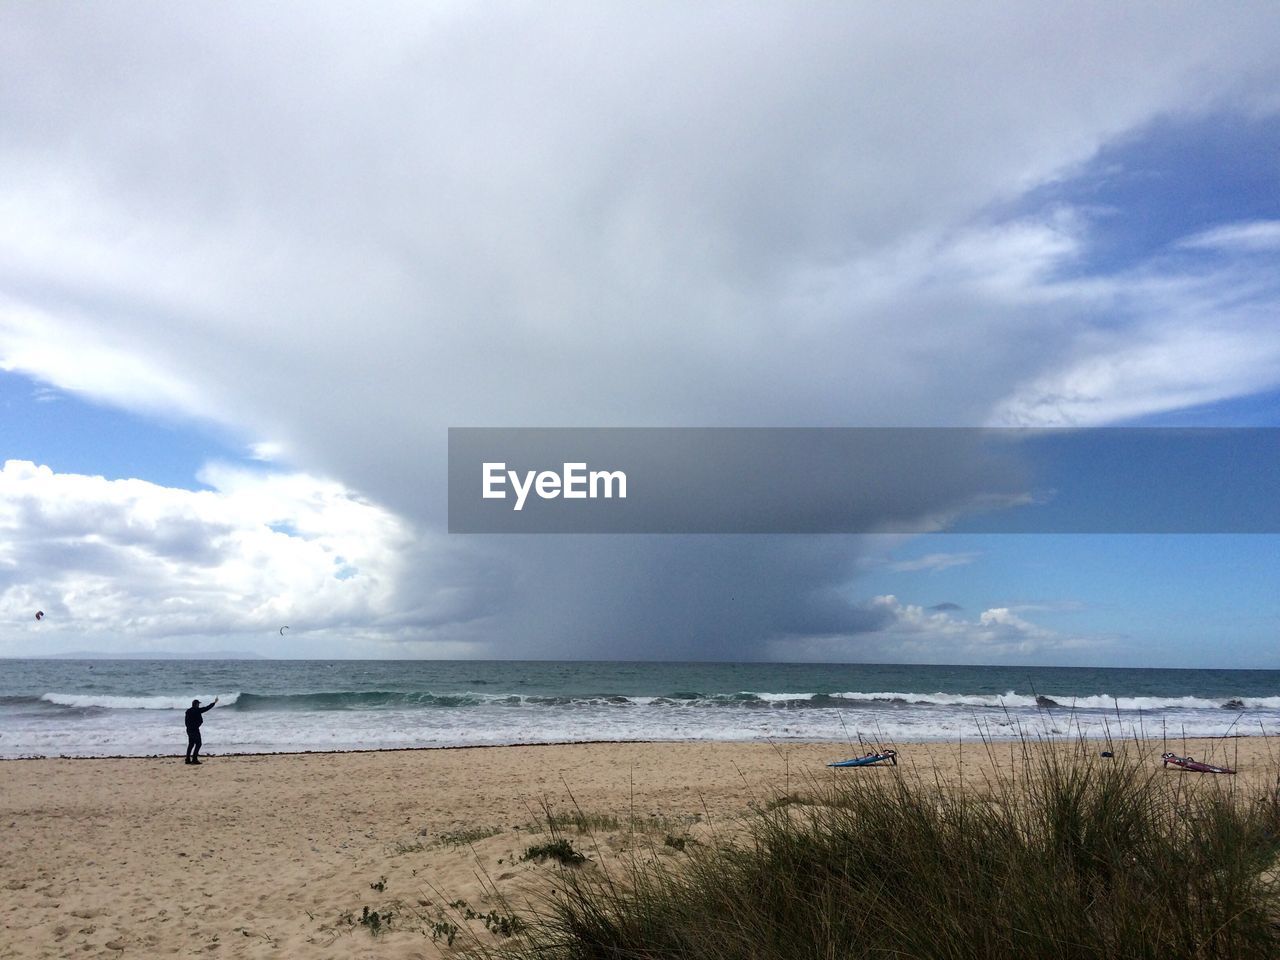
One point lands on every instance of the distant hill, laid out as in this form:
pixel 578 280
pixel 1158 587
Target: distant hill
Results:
pixel 151 655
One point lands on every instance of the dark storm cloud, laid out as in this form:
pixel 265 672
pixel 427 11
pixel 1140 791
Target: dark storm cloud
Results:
pixel 674 597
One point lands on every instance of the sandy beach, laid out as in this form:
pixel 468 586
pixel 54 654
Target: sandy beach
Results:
pixel 279 855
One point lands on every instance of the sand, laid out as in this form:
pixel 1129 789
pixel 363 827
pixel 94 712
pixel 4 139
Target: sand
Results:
pixel 277 856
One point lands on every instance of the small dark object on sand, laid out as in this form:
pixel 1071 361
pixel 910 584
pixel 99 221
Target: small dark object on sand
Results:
pixel 1107 753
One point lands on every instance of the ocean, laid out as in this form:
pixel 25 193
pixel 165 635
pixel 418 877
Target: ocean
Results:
pixel 134 707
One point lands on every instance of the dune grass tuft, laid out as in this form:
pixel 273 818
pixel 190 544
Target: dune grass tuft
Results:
pixel 1071 858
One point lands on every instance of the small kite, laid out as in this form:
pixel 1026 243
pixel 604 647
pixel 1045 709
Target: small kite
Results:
pixel 39 615
pixel 282 630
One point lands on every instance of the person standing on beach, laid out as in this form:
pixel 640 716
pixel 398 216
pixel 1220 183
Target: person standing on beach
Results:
pixel 195 717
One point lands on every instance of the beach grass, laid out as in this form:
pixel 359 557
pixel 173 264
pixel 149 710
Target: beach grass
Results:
pixel 1071 856
pixel 591 822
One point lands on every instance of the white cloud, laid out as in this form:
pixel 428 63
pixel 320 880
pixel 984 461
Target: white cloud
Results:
pixel 934 562
pixel 1250 235
pixel 74 352
pixel 1164 341
pixel 266 451
pixel 911 633
pixel 111 559
pixel 510 216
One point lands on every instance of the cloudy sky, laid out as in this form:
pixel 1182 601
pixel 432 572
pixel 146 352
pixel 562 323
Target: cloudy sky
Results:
pixel 255 259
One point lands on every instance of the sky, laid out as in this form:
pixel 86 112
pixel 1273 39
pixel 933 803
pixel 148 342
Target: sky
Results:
pixel 255 260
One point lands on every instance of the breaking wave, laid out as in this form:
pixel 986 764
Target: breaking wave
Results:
pixel 108 702
pixel 408 700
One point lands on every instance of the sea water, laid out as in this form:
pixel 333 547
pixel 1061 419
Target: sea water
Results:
pixel 135 707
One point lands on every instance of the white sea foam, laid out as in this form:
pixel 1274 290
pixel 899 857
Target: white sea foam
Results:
pixel 1102 701
pixel 154 729
pixel 105 701
pixel 1009 699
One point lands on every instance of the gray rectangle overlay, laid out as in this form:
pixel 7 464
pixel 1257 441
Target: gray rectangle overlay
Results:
pixel 863 480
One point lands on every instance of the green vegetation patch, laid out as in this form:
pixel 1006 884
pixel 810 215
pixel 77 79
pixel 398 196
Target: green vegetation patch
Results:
pixel 560 850
pixel 1071 859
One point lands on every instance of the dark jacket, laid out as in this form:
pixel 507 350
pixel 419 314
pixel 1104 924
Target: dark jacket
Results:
pixel 195 716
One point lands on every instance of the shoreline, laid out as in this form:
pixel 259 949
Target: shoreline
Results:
pixel 1065 739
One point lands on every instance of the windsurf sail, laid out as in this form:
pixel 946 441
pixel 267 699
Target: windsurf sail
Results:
pixel 1190 763
pixel 884 756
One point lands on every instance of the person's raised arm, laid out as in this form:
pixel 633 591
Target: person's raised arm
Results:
pixel 210 706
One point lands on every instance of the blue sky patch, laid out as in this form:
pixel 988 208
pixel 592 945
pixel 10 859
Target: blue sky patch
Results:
pixel 71 435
